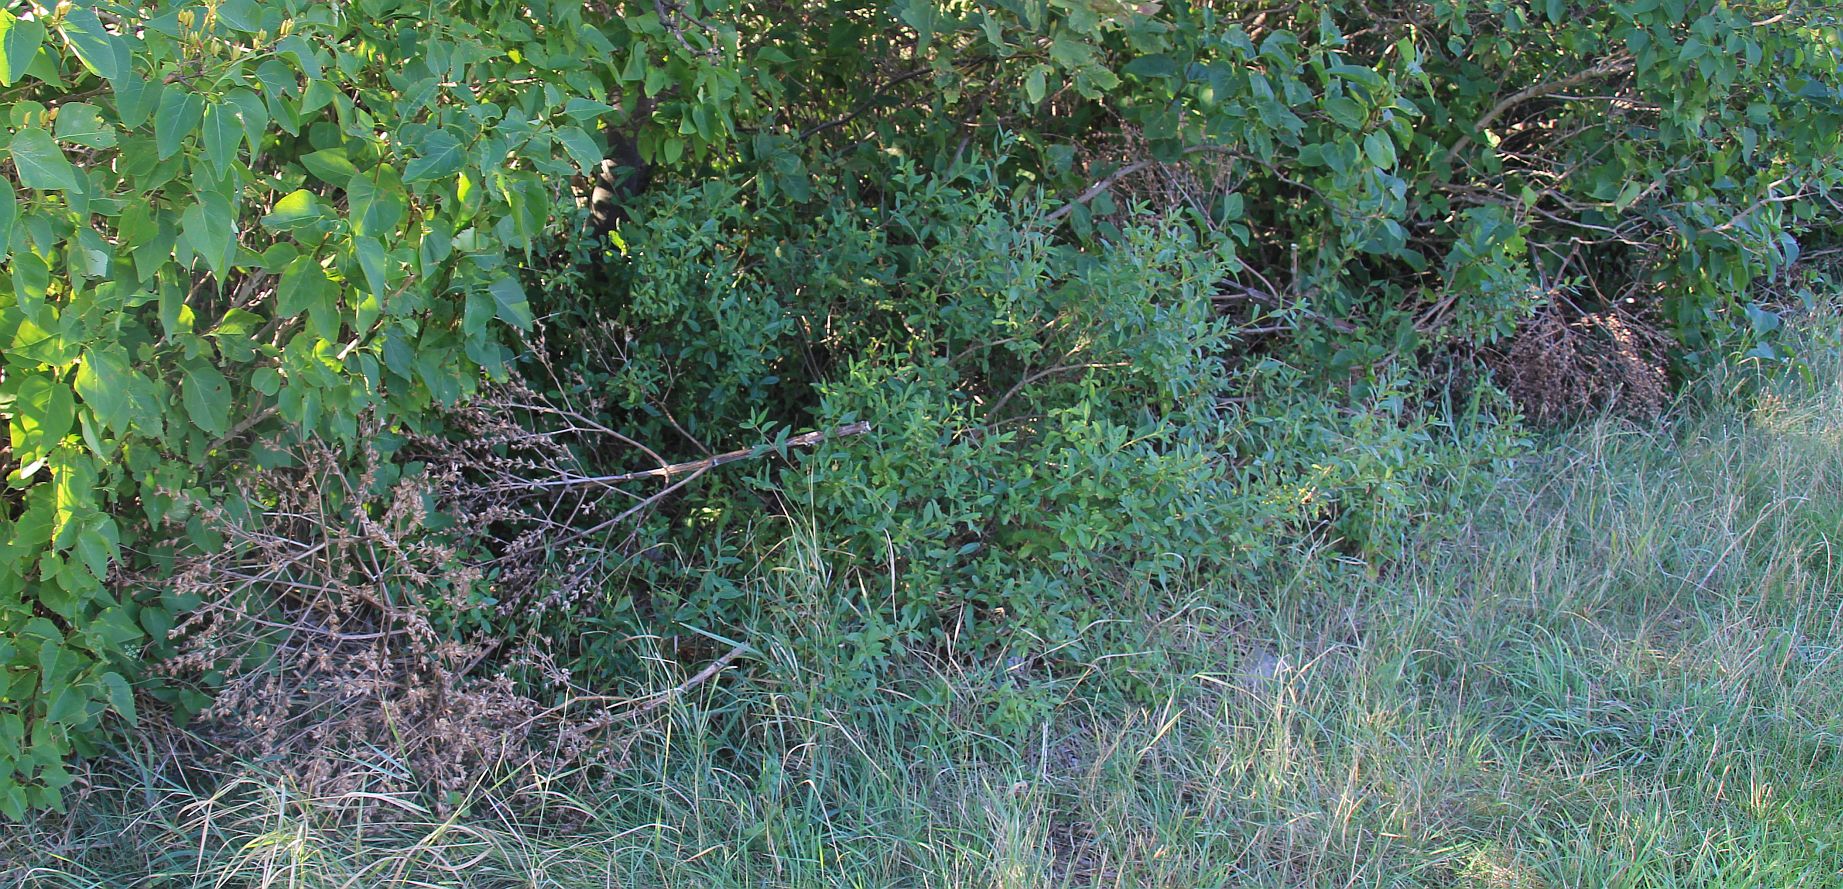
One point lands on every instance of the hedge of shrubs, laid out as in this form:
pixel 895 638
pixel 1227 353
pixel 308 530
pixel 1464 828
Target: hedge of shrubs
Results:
pixel 1116 286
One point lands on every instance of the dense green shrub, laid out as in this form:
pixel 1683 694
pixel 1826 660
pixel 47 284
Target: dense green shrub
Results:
pixel 925 207
pixel 1420 173
pixel 1048 420
pixel 1038 409
pixel 226 222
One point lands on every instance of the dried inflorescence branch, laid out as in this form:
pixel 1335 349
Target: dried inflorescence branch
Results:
pixel 513 475
pixel 323 612
pixel 332 610
pixel 502 474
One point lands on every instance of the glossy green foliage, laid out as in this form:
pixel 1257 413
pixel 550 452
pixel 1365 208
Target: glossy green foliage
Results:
pixel 229 221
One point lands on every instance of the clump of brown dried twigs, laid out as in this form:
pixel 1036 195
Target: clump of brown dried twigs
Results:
pixel 324 616
pixel 330 619
pixel 1610 360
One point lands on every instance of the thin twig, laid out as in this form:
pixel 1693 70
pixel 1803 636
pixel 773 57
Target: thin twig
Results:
pixel 647 703
pixel 1060 368
pixel 1107 182
pixel 1243 291
pixel 693 471
pixel 855 113
pixel 694 466
pixel 1616 66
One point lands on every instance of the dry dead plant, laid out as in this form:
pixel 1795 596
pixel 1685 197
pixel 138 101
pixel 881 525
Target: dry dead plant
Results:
pixel 330 618
pixel 1610 360
pixel 320 618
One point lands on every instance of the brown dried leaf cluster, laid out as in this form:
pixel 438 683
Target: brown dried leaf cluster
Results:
pixel 1601 361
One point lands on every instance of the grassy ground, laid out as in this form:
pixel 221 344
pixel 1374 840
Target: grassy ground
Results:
pixel 1627 673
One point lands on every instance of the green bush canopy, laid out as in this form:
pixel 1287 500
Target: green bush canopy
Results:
pixel 1111 282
